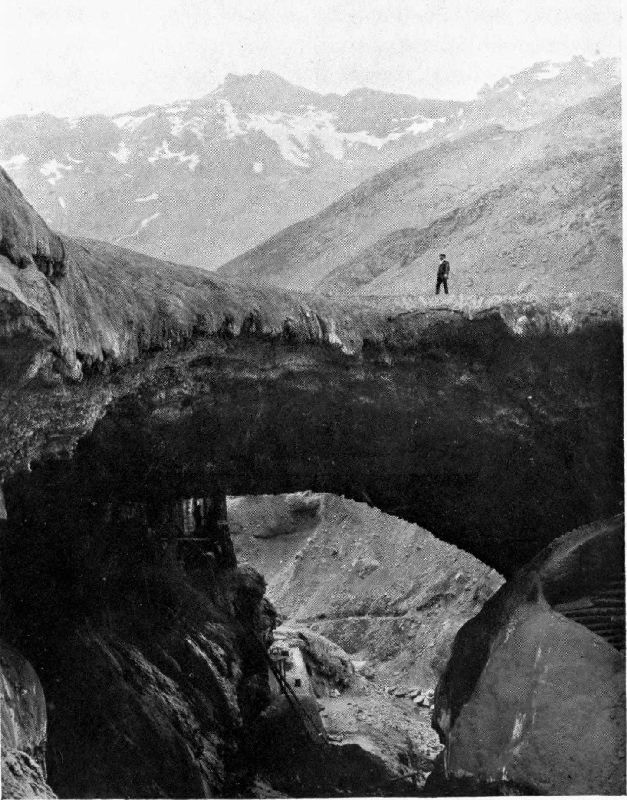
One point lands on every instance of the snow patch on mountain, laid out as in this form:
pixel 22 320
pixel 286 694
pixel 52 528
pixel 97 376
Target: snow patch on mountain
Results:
pixel 504 84
pixel 195 125
pixel 148 198
pixel 53 170
pixel 548 71
pixel 61 201
pixel 122 154
pixel 164 152
pixel 296 134
pixel 146 221
pixel 291 134
pixel 131 122
pixel 415 128
pixel 231 123
pixel 258 167
pixel 15 162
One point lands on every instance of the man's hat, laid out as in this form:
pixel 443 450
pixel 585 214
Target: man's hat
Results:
pixel 442 255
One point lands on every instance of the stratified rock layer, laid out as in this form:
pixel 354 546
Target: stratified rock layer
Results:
pixel 530 698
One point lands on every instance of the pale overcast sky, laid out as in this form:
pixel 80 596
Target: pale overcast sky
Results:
pixel 72 57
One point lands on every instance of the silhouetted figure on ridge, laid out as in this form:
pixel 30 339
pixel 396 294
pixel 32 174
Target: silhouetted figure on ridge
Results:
pixel 443 270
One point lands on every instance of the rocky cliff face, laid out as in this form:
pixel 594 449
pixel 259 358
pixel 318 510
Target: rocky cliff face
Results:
pixel 545 647
pixel 24 728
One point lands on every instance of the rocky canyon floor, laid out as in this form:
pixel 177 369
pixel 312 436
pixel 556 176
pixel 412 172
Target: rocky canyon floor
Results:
pixel 389 593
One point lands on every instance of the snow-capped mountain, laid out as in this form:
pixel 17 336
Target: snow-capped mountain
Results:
pixel 201 181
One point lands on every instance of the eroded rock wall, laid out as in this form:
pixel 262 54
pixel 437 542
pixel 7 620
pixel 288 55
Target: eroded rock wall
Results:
pixel 158 713
pixel 24 728
pixel 25 239
pixel 151 655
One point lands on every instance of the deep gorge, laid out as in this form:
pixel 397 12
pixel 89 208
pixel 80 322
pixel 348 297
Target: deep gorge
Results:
pixel 495 442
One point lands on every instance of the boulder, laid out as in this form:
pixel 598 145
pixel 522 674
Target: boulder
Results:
pixel 533 697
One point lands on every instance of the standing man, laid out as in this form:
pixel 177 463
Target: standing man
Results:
pixel 443 270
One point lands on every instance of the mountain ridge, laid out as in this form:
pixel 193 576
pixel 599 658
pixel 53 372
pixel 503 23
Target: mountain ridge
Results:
pixel 570 166
pixel 202 181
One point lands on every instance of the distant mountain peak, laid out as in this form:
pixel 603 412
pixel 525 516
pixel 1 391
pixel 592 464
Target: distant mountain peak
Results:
pixel 263 78
pixel 264 91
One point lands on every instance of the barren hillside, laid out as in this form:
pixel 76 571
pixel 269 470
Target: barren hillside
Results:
pixel 535 208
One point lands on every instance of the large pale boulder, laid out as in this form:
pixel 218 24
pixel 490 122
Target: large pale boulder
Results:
pixel 533 697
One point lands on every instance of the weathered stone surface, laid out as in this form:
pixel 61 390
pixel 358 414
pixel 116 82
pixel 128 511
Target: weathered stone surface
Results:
pixel 25 239
pixel 531 698
pixel 23 720
pixel 161 714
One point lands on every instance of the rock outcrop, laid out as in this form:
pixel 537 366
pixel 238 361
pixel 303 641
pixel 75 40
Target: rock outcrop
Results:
pixel 24 728
pixel 158 707
pixel 25 239
pixel 532 699
pixel 160 718
pixel 387 591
